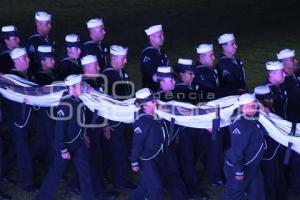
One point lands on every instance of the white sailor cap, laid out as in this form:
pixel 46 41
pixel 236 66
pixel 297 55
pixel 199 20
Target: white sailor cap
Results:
pixel 17 52
pixel 164 72
pixel 203 48
pixel 164 69
pixel 274 65
pixel 73 79
pixel 143 95
pixel 285 53
pixel 9 30
pixel 262 90
pixel 45 51
pixel 227 37
pixel 88 59
pixel 42 16
pixel 118 50
pixel 246 98
pixel 92 23
pixel 72 40
pixel 153 29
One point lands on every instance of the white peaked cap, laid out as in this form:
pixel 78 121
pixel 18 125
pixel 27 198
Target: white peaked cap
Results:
pixel 203 48
pixel 17 52
pixel 73 79
pixel 227 37
pixel 42 16
pixel 274 65
pixel 72 38
pixel 183 61
pixel 9 28
pixel 45 49
pixel 88 59
pixel 153 29
pixel 118 50
pixel 92 23
pixel 285 53
pixel 164 69
pixel 261 90
pixel 143 93
pixel 246 98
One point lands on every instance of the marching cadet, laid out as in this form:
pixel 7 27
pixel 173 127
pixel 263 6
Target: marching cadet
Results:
pixel 150 154
pixel 153 56
pixel 11 40
pixel 192 142
pixel 242 163
pixel 18 121
pixel 45 123
pixel 166 80
pixel 41 37
pixel 69 142
pixel 231 70
pixel 70 64
pixel 94 45
pixel 120 88
pixel 272 166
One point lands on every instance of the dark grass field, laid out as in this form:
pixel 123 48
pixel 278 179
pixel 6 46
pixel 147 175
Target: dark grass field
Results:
pixel 262 28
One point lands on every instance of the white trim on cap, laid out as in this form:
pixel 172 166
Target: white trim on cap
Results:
pixel 42 16
pixel 17 52
pixel 45 49
pixel 153 29
pixel 143 93
pixel 8 28
pixel 227 37
pixel 88 59
pixel 246 98
pixel 203 48
pixel 263 89
pixel 274 65
pixel 118 50
pixel 73 79
pixel 92 23
pixel 285 53
pixel 184 61
pixel 164 69
pixel 72 38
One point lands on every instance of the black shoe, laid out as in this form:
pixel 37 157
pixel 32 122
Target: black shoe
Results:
pixel 218 183
pixel 5 197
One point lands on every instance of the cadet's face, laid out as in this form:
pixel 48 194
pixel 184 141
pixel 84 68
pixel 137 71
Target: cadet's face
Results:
pixel 118 62
pixel 290 65
pixel 12 42
pixel 277 77
pixel 157 39
pixel 75 90
pixel 48 63
pixel 207 58
pixel 250 109
pixel 98 33
pixel 92 68
pixel 230 48
pixel 74 52
pixel 187 77
pixel 167 84
pixel 22 63
pixel 43 27
pixel 150 107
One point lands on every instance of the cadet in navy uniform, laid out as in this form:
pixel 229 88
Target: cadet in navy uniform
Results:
pixel 45 124
pixel 150 154
pixel 153 56
pixel 231 70
pixel 94 45
pixel 18 121
pixel 242 163
pixel 10 37
pixel 119 87
pixel 41 37
pixel 192 142
pixel 69 142
pixel 70 64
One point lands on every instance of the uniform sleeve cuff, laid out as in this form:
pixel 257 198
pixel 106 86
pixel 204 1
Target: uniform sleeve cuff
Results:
pixel 134 164
pixel 239 173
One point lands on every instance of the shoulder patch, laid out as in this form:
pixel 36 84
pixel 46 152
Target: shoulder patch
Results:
pixel 236 131
pixel 137 130
pixel 225 73
pixel 146 59
pixel 60 113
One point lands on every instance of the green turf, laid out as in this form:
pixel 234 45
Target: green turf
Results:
pixel 262 28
